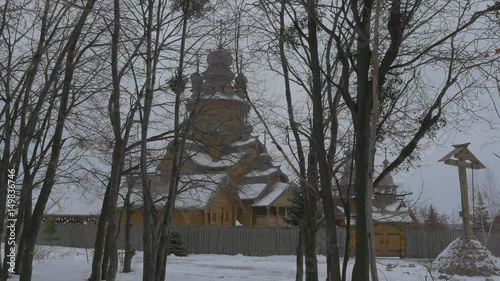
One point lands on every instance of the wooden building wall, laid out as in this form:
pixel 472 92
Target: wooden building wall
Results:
pixel 284 199
pixel 188 217
pixel 222 211
pixel 180 217
pixel 245 215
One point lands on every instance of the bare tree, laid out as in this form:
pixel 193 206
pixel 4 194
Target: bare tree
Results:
pixel 15 97
pixel 487 212
pixel 156 230
pixel 57 143
pixel 400 30
pixel 406 52
pixel 304 41
pixel 33 94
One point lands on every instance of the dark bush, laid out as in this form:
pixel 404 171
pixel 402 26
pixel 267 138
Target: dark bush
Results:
pixel 176 245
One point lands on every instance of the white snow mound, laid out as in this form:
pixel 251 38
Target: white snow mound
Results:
pixel 466 257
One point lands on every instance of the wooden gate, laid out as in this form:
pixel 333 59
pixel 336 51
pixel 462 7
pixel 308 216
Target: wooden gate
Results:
pixel 389 240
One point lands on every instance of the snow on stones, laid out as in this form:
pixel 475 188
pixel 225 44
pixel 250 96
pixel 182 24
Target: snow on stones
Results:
pixel 466 257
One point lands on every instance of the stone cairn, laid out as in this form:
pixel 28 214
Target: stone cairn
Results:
pixel 466 257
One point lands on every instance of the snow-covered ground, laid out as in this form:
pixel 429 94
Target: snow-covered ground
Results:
pixel 63 264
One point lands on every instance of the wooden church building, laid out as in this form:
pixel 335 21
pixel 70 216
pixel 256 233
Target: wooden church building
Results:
pixel 227 176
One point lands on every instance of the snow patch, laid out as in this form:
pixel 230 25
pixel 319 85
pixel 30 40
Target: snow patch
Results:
pixel 276 190
pixel 251 191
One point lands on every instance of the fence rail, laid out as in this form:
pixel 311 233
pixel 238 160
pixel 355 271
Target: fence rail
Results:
pixel 263 241
pixel 425 243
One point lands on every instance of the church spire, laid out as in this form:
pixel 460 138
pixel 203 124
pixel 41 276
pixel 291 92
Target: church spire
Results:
pixel 220 38
pixel 387 181
pixel 218 72
pixel 385 162
pixel 197 63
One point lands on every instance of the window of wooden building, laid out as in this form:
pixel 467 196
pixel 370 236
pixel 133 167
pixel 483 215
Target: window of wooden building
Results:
pixel 259 211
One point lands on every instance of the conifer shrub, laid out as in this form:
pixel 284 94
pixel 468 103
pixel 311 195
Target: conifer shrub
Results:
pixel 176 244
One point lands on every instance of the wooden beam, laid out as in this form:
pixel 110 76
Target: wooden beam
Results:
pixel 466 160
pixel 461 152
pixel 462 174
pixel 464 164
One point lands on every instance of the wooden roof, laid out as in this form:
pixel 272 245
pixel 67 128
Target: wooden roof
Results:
pixel 462 156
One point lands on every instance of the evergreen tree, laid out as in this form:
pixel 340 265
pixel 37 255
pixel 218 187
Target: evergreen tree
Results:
pixel 50 230
pixel 176 245
pixel 296 209
pixel 482 218
pixel 433 220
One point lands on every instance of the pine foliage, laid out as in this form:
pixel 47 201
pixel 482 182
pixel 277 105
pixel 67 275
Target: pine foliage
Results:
pixel 50 230
pixel 433 220
pixel 176 245
pixel 296 210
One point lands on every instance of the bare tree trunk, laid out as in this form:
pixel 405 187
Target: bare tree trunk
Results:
pixel 362 119
pixel 347 239
pixel 111 233
pixel 299 260
pixel 100 240
pixel 373 140
pixel 105 262
pixel 310 216
pixel 129 249
pixel 176 161
pixel 332 250
pixel 10 108
pixel 31 166
pixel 24 214
pixel 346 202
pixel 3 196
pixel 311 225
pixel 333 265
pixel 105 257
pixel 361 267
pixel 149 211
pixel 118 149
pixel 3 189
pixel 308 228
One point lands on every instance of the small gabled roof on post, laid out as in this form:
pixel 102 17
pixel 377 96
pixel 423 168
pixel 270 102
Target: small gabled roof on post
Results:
pixel 461 156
